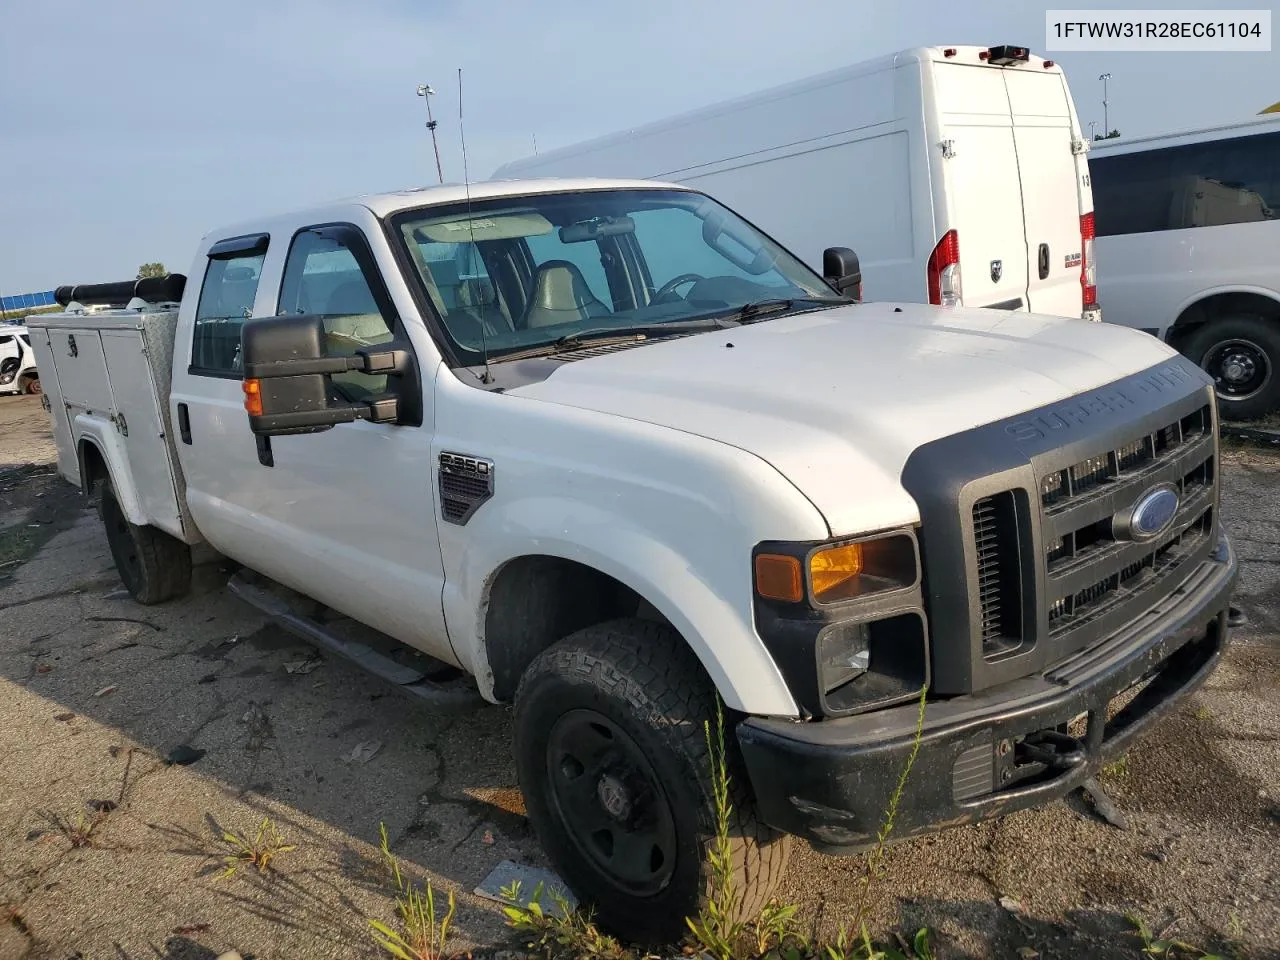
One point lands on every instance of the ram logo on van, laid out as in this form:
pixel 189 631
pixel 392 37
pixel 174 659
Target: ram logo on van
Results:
pixel 1074 260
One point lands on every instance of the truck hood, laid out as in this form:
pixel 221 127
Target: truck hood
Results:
pixel 836 400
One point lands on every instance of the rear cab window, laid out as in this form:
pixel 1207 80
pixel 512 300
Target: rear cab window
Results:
pixel 226 299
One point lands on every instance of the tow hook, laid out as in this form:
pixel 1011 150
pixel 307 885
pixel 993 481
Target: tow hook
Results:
pixel 1054 749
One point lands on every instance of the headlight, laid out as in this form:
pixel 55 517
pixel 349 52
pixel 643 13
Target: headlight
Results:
pixel 844 621
pixel 844 652
pixel 838 572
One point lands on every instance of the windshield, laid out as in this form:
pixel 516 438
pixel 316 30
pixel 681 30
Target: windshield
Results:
pixel 522 272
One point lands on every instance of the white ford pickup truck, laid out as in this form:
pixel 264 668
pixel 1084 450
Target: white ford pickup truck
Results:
pixel 610 451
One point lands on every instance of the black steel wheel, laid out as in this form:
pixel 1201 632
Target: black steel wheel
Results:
pixel 153 566
pixel 1242 354
pixel 609 797
pixel 613 763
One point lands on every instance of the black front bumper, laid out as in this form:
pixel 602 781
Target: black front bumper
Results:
pixel 988 754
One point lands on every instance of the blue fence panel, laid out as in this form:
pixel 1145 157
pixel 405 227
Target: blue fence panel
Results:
pixel 26 301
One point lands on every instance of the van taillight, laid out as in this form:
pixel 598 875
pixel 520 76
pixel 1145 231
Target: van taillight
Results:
pixel 944 271
pixel 1088 268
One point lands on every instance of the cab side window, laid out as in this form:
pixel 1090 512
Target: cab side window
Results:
pixel 324 278
pixel 226 299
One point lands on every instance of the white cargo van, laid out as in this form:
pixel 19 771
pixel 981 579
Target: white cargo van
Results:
pixel 1189 228
pixel 957 173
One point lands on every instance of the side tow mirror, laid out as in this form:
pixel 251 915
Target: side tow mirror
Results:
pixel 287 389
pixel 840 268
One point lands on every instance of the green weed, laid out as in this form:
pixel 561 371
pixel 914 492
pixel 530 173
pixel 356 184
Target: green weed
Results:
pixel 716 930
pixel 424 935
pixel 1154 946
pixel 1117 769
pixel 260 852
pixel 562 931
pixel 875 862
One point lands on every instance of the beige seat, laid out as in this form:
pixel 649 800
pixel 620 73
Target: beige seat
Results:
pixel 352 321
pixel 561 295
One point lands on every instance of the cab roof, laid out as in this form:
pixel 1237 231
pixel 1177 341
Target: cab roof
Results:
pixel 385 204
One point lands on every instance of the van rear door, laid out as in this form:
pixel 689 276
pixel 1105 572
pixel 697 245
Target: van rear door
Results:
pixel 981 183
pixel 1053 191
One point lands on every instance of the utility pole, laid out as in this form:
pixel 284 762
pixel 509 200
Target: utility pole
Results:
pixel 1093 129
pixel 1106 117
pixel 426 93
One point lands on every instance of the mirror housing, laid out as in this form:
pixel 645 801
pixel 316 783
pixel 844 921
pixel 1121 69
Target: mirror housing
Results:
pixel 840 268
pixel 286 382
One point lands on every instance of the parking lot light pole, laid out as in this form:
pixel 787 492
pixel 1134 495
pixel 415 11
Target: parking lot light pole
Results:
pixel 1106 117
pixel 426 93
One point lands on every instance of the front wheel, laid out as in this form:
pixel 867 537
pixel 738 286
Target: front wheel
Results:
pixel 1242 354
pixel 153 566
pixel 613 761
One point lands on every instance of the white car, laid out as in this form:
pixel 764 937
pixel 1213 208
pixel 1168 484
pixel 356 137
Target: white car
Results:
pixel 18 373
pixel 715 479
pixel 1189 250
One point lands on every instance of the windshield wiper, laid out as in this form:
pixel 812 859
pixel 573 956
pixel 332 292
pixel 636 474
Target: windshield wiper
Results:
pixel 759 309
pixel 602 335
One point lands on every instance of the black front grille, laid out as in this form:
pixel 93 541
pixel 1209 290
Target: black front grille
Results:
pixel 995 533
pixel 1091 574
pixel 1074 611
pixel 1020 564
pixel 1061 488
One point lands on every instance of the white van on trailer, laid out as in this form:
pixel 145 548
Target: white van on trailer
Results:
pixel 1189 231
pixel 957 173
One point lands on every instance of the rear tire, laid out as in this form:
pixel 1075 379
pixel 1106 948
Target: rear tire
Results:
pixel 612 759
pixel 1242 354
pixel 153 566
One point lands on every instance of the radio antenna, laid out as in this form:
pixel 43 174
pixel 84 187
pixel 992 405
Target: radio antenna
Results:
pixel 486 376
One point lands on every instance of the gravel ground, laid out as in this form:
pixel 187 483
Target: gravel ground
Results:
pixel 96 692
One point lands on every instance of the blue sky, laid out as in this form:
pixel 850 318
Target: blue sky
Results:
pixel 130 128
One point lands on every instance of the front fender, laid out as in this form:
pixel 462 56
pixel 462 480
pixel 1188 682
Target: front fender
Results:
pixel 101 435
pixel 715 629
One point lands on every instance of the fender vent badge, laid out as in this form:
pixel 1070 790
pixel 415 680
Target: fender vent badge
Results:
pixel 465 484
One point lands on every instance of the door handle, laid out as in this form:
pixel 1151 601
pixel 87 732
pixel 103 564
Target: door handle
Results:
pixel 184 423
pixel 1044 260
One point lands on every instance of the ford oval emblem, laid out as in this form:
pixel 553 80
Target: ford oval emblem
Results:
pixel 1153 513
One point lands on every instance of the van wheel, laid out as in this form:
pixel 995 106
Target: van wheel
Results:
pixel 612 758
pixel 154 566
pixel 1242 354
pixel 30 385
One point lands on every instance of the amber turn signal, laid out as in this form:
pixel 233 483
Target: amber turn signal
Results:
pixel 253 397
pixel 778 577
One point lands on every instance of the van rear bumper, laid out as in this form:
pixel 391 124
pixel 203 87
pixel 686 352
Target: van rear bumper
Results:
pixel 1018 745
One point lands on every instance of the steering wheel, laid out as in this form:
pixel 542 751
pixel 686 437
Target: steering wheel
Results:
pixel 669 287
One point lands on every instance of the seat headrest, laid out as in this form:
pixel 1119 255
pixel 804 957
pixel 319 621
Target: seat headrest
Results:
pixel 351 296
pixel 559 285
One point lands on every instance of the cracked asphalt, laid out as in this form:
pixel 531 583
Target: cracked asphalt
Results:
pixel 107 849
